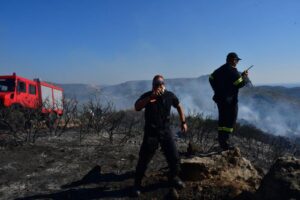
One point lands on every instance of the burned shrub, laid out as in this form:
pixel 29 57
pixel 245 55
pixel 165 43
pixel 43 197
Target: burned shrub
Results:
pixel 132 125
pixel 22 125
pixel 61 124
pixel 201 130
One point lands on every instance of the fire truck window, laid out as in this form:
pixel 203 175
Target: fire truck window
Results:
pixel 3 88
pixel 21 86
pixel 7 85
pixel 32 89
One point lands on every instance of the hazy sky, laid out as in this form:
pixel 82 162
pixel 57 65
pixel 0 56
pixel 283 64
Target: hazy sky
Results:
pixel 112 41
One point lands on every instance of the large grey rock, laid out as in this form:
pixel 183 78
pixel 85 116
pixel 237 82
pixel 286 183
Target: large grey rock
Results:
pixel 225 170
pixel 282 181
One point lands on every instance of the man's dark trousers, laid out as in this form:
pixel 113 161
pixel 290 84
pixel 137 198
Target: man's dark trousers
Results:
pixel 152 139
pixel 227 121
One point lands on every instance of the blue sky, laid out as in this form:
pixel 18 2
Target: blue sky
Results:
pixel 112 41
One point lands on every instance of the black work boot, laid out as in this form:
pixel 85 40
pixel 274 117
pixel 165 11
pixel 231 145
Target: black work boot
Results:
pixel 137 188
pixel 172 194
pixel 223 138
pixel 230 147
pixel 136 191
pixel 177 183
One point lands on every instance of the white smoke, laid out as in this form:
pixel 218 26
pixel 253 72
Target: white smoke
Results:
pixel 279 118
pixel 271 113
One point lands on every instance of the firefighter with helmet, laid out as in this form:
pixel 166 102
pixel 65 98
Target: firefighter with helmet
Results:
pixel 226 82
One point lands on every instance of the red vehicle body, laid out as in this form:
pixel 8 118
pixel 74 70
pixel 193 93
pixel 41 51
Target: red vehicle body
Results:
pixel 16 91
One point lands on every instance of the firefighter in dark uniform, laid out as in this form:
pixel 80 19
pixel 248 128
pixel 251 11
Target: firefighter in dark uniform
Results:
pixel 226 82
pixel 157 104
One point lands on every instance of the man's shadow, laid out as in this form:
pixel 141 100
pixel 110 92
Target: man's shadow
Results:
pixel 94 176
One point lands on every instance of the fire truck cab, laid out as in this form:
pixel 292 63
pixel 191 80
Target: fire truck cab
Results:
pixel 19 92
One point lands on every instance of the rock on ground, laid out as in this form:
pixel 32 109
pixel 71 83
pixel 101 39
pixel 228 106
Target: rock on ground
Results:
pixel 228 171
pixel 282 181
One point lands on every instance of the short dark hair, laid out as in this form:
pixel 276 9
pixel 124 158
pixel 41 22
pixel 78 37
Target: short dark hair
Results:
pixel 157 77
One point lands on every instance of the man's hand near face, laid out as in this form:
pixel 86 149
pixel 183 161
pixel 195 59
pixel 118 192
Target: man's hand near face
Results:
pixel 157 91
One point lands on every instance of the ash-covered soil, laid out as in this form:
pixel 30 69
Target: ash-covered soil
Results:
pixel 61 168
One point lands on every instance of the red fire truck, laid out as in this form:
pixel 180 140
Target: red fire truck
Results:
pixel 19 92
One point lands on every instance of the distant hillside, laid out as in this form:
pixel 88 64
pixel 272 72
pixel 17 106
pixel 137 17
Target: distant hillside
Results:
pixel 271 108
pixel 282 90
pixel 81 92
pixel 287 85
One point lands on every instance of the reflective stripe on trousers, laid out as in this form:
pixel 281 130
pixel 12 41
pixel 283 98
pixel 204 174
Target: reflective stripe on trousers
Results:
pixel 225 129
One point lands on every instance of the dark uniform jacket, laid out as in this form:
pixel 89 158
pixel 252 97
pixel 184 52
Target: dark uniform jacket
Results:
pixel 157 113
pixel 226 81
